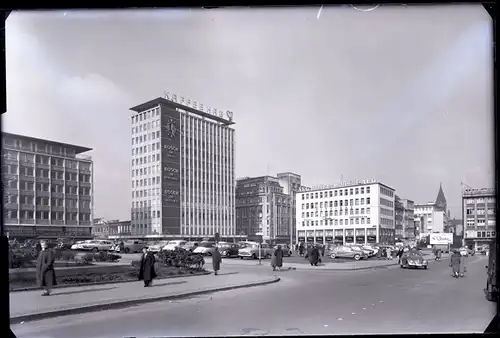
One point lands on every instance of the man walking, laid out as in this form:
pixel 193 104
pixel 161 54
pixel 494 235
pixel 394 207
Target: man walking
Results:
pixel 216 260
pixel 455 259
pixel 147 270
pixel 45 273
pixel 278 258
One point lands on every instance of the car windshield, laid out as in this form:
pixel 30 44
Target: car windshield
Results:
pixel 206 245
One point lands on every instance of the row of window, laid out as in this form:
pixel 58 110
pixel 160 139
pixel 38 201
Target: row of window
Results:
pixel 491 211
pixel 486 234
pixel 47 160
pixel 340 212
pixel 335 193
pixel 335 204
pixel 46 173
pixel 480 200
pixel 352 221
pixel 46 187
pixel 46 201
pixel 145 115
pixel 146 148
pixel 146 182
pixel 143 127
pixel 151 170
pixel 46 215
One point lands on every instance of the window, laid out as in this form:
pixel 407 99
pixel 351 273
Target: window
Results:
pixel 367 190
pixel 362 190
pixel 351 191
pixel 335 193
pixel 368 220
pixel 357 191
pixel 479 234
pixel 368 200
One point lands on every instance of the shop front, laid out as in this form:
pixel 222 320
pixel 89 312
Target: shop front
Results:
pixel 360 236
pixel 349 235
pixel 319 236
pixel 301 236
pixel 371 239
pixel 339 237
pixel 328 236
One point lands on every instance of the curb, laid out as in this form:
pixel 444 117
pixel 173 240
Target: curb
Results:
pixel 125 303
pixel 62 286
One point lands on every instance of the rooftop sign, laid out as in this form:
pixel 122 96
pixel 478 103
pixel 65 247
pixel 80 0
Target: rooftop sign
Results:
pixel 200 107
pixel 339 185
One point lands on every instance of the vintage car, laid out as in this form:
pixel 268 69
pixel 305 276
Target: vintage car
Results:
pixel 174 244
pixel 157 246
pixel 465 252
pixel 205 248
pixel 366 251
pixel 343 251
pixel 251 250
pixel 287 252
pixel 79 245
pixel 229 250
pixel 98 245
pixel 491 290
pixel 190 246
pixel 413 259
pixel 129 246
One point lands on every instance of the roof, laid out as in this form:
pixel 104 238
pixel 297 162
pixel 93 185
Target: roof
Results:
pixel 78 149
pixel 441 199
pixel 162 101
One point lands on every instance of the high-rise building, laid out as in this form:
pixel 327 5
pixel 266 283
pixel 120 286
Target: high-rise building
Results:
pixel 432 217
pixel 352 212
pixel 479 216
pixel 398 219
pixel 48 190
pixel 183 182
pixel 264 206
pixel 291 184
pixel 408 219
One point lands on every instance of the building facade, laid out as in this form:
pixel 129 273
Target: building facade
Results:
pixel 409 232
pixel 264 206
pixel 48 190
pixel 354 212
pixel 398 219
pixel 432 217
pixel 291 184
pixel 100 228
pixel 183 183
pixel 479 214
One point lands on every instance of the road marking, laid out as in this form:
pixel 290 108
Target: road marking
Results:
pixel 353 313
pixel 364 308
pixel 339 318
pixel 381 301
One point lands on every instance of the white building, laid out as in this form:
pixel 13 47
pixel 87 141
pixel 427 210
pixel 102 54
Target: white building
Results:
pixel 353 212
pixel 183 182
pixel 479 213
pixel 432 217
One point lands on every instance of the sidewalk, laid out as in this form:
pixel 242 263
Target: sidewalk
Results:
pixel 30 305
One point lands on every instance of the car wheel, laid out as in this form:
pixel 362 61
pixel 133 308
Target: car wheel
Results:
pixel 332 256
pixel 95 249
pixel 425 268
pixel 228 254
pixel 357 257
pixel 254 256
pixel 402 266
pixel 126 250
pixel 241 257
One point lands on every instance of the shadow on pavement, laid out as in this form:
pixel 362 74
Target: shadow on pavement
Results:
pixel 168 283
pixel 228 273
pixel 82 291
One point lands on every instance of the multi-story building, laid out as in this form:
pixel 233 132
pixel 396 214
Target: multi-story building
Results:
pixel 398 219
pixel 455 226
pixel 100 228
pixel 291 184
pixel 408 219
pixel 479 216
pixel 352 212
pixel 264 206
pixel 183 183
pixel 432 217
pixel 48 190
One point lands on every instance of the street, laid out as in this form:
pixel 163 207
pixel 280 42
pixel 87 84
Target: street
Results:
pixel 382 301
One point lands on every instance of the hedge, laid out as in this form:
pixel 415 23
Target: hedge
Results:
pixel 178 258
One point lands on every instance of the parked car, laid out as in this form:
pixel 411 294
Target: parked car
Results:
pixel 190 246
pixel 98 245
pixel 129 246
pixel 343 251
pixel 229 250
pixel 174 244
pixel 413 259
pixel 79 245
pixel 373 248
pixel 491 290
pixel 251 250
pixel 481 250
pixel 158 246
pixel 466 252
pixel 367 252
pixel 205 248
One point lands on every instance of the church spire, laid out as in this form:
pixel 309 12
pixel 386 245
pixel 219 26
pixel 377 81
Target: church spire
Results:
pixel 441 199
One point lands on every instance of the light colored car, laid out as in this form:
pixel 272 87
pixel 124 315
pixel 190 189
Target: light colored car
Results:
pixel 205 248
pixel 251 250
pixel 413 259
pixel 190 246
pixel 465 252
pixel 79 245
pixel 343 251
pixel 158 246
pixel 368 252
pixel 98 245
pixel 174 244
pixel 130 246
pixel 373 248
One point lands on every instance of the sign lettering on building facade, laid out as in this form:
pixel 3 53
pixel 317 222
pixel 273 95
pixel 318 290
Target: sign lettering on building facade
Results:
pixel 199 106
pixel 338 185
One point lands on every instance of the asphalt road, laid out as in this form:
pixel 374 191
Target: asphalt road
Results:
pixel 382 301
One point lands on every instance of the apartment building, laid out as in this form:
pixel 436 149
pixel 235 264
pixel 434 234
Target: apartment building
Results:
pixel 479 214
pixel 48 190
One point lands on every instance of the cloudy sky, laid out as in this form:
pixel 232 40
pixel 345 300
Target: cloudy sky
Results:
pixel 400 94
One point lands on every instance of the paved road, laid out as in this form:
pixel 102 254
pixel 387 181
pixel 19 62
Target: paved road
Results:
pixel 385 301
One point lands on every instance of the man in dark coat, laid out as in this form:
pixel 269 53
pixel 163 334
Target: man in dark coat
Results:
pixel 147 270
pixel 278 258
pixel 301 249
pixel 38 248
pixel 314 256
pixel 455 259
pixel 45 273
pixel 216 260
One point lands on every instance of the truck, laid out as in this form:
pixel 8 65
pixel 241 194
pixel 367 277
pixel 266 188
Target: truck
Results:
pixel 491 290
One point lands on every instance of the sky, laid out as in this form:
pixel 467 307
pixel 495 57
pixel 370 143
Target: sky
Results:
pixel 400 94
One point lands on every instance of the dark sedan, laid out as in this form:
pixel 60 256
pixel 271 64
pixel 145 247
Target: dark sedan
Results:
pixel 229 250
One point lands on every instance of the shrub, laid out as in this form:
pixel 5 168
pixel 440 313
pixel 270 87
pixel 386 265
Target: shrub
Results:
pixel 20 259
pixel 68 255
pixel 87 258
pixel 105 256
pixel 181 258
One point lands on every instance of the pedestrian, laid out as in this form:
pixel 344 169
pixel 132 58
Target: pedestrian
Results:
pixel 314 256
pixel 122 246
pixel 400 255
pixel 38 248
pixel 147 270
pixel 278 258
pixel 216 260
pixel 322 251
pixel 301 249
pixel 388 253
pixel 45 273
pixel 455 263
pixel 463 267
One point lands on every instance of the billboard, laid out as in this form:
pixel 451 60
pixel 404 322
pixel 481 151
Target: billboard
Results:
pixel 441 238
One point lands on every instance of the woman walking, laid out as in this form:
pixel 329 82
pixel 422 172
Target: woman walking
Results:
pixel 463 267
pixel 45 273
pixel 216 260
pixel 455 259
pixel 147 271
pixel 278 258
pixel 314 256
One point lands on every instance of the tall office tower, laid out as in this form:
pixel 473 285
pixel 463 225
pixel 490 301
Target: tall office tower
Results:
pixel 47 188
pixel 183 182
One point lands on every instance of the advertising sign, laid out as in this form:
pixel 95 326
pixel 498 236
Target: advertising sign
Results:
pixel 441 238
pixel 360 239
pixel 329 238
pixel 301 239
pixel 319 239
pixel 310 239
pixel 371 239
pixel 349 239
